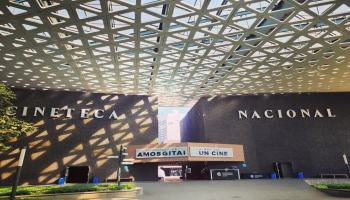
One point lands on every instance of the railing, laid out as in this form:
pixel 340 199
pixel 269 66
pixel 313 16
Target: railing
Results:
pixel 334 176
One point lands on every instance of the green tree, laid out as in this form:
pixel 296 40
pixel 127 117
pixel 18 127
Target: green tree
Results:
pixel 10 126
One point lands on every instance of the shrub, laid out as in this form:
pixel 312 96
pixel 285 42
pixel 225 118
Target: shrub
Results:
pixel 10 126
pixel 333 186
pixel 68 188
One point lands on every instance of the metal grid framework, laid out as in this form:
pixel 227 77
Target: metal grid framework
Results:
pixel 178 50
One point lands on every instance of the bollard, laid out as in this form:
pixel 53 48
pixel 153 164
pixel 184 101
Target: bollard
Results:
pixel 300 175
pixel 61 181
pixel 273 176
pixel 95 179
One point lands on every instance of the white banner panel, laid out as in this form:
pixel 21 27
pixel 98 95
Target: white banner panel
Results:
pixel 162 152
pixel 211 152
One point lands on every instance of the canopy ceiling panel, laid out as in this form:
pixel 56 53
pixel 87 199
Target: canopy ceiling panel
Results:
pixel 178 50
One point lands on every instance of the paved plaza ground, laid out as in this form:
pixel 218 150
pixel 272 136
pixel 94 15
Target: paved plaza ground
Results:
pixel 232 190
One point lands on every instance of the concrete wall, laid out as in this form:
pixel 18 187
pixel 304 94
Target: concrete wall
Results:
pixel 313 145
pixel 60 142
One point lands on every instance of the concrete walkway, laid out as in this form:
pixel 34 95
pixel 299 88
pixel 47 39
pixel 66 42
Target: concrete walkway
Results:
pixel 291 189
pixel 232 190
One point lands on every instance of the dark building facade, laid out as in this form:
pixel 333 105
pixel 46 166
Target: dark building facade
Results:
pixel 310 131
pixel 78 129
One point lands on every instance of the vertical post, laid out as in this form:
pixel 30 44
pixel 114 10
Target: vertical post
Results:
pixel 211 174
pixel 120 163
pixel 18 173
pixel 278 170
pixel 346 163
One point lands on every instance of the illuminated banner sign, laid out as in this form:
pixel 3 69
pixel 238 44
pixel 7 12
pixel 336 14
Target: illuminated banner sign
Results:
pixel 161 152
pixel 211 152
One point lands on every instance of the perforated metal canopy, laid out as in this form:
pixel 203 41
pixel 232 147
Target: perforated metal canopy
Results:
pixel 177 50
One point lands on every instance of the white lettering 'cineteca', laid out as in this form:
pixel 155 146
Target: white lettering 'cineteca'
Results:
pixel 69 112
pixel 84 113
pixel 54 112
pixel 40 110
pixel 113 115
pixel 24 111
pixel 98 115
pixel 11 111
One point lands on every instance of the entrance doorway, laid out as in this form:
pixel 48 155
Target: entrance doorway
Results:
pixel 284 169
pixel 170 173
pixel 77 174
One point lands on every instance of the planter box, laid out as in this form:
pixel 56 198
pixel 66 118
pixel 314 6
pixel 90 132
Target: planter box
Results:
pixel 88 195
pixel 315 181
pixel 337 192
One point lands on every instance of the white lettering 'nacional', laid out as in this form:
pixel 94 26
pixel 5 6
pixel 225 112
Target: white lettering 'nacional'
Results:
pixel 289 113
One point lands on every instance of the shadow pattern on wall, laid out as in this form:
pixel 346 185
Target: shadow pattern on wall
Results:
pixel 61 141
pixel 314 145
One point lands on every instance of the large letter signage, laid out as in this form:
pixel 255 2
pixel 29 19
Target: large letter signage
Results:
pixel 161 152
pixel 211 152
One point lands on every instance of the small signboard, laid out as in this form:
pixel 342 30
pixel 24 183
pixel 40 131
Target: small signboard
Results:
pixel 224 174
pixel 112 157
pixel 127 163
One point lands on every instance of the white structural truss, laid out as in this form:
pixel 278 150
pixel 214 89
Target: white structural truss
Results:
pixel 177 50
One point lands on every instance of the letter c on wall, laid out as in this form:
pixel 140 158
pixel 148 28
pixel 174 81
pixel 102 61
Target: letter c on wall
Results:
pixel 267 115
pixel 11 111
pixel 97 115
